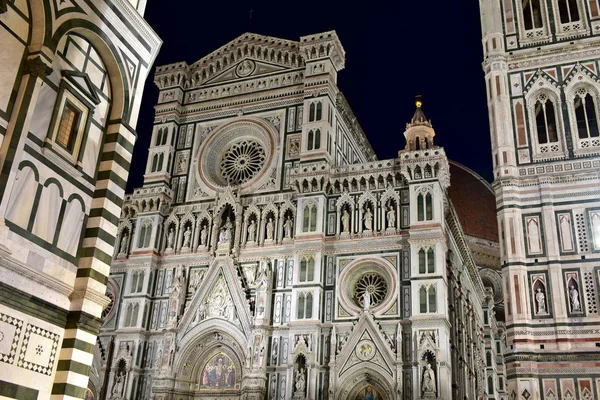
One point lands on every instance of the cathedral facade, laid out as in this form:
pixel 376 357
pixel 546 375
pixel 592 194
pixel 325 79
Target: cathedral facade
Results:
pixel 541 73
pixel 72 74
pixel 271 255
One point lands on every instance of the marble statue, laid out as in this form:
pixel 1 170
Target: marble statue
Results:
pixel 300 380
pixel 225 233
pixel 540 298
pixel 171 238
pixel 391 217
pixel 368 219
pixel 123 248
pixel 287 228
pixel 187 237
pixel 119 385
pixel 345 221
pixel 270 229
pixel 203 235
pixel 252 231
pixel 574 295
pixel 428 385
pixel 366 300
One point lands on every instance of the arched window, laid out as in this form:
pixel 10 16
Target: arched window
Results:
pixel 311 113
pixel 318 138
pixel 134 279
pixel 430 261
pixel 161 158
pixel 567 11
pixel 422 261
pixel 154 163
pixel 490 385
pixel 545 120
pixel 309 223
pixel 134 317
pixel 319 111
pixel 423 300
pixel 488 359
pixel 164 136
pixel 532 14
pixel 304 305
pixel 428 207
pixel 310 144
pixel 142 236
pixel 420 207
pixel 158 137
pixel 140 282
pixel 307 269
pixel 310 272
pixel 432 300
pixel 127 321
pixel 585 114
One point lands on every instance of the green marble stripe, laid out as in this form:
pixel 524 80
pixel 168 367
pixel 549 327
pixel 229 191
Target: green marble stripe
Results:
pixel 104 213
pixel 116 157
pixel 73 366
pixel 32 306
pixel 69 390
pixel 100 233
pixel 120 139
pixel 84 321
pixel 113 177
pixel 78 344
pixel 97 254
pixel 92 274
pixel 13 391
pixel 107 194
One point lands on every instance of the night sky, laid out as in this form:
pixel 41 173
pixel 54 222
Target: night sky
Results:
pixel 394 50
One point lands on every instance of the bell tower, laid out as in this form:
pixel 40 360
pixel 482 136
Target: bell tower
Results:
pixel 541 64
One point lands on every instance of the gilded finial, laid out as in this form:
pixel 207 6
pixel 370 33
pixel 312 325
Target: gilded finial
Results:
pixel 418 101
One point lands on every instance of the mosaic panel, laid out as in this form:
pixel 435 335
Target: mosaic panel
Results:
pixel 38 350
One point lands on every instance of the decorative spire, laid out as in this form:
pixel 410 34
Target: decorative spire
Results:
pixel 419 116
pixel 419 132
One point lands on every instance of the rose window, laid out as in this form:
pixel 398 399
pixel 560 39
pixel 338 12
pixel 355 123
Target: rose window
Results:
pixel 110 305
pixel 372 283
pixel 242 162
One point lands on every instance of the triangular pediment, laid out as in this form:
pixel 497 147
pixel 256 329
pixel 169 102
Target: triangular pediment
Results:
pixel 83 83
pixel 218 297
pixel 247 55
pixel 246 68
pixel 366 345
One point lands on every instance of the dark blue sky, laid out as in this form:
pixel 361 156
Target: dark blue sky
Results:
pixel 394 50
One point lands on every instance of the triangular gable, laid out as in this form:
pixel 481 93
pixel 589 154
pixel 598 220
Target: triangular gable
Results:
pixel 217 297
pixel 365 346
pixel 246 68
pixel 542 79
pixel 264 52
pixel 580 73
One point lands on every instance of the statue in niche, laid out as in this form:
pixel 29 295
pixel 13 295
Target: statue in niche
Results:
pixel 428 385
pixel 263 275
pixel 540 299
pixel 300 380
pixel 399 337
pixel 275 352
pixel 225 233
pixel 270 229
pixel 124 239
pixel 333 336
pixel 203 235
pixel 187 235
pixel 345 221
pixel 287 228
pixel 366 300
pixel 574 297
pixel 368 219
pixel 171 238
pixel 252 231
pixel 391 217
pixel 119 385
pixel 175 298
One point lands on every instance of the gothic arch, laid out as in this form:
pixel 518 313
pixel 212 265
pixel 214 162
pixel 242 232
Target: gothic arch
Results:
pixel 361 376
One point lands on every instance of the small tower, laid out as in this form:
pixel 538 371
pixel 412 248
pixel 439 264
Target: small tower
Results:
pixel 419 133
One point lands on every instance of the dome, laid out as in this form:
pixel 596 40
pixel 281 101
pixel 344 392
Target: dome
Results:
pixel 474 202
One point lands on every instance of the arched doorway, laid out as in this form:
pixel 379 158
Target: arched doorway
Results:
pixel 366 391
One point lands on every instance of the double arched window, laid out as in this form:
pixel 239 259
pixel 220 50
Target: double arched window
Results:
pixel 304 305
pixel 145 234
pixel 314 140
pixel 427 299
pixel 426 261
pixel 545 115
pixel 309 221
pixel 315 111
pixel 161 137
pixel 424 207
pixel 137 282
pixel 307 269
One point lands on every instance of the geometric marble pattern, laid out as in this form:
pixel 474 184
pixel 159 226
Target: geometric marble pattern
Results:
pixel 38 350
pixel 10 333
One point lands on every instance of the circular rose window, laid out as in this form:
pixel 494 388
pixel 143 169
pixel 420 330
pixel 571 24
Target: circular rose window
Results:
pixel 374 284
pixel 242 162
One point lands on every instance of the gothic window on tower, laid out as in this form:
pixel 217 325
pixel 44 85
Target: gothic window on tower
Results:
pixel 145 234
pixel 532 20
pixel 424 207
pixel 307 269
pixel 427 299
pixel 426 261
pixel 309 223
pixel 568 17
pixel 304 305
pixel 586 134
pixel 315 111
pixel 545 115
